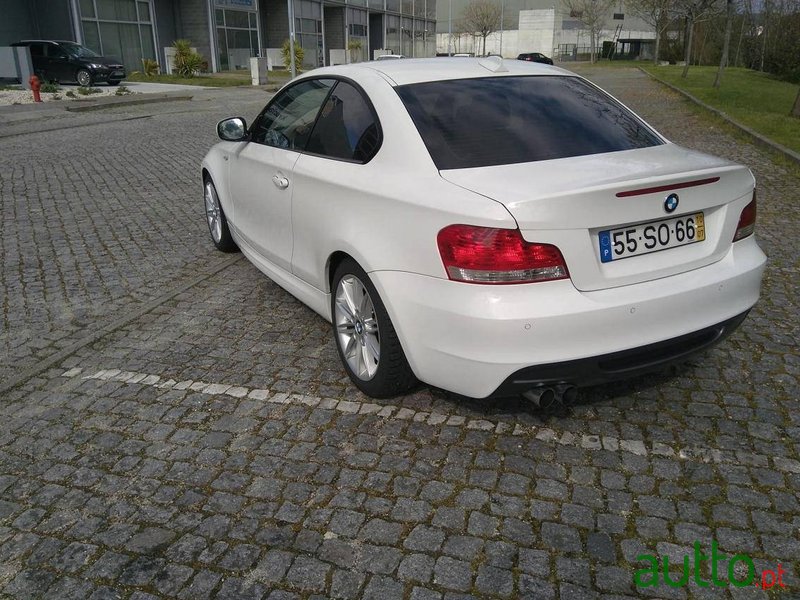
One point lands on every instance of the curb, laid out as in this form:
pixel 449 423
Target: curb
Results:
pixel 757 137
pixel 126 102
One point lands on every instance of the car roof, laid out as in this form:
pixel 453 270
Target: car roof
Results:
pixel 46 42
pixel 420 70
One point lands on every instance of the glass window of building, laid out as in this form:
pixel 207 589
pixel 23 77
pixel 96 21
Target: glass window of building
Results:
pixel 119 29
pixel 406 36
pixel 358 44
pixel 237 38
pixel 393 33
pixel 393 5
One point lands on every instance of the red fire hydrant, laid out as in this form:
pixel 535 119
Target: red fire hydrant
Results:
pixel 36 85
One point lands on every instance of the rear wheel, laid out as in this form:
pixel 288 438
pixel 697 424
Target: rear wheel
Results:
pixel 215 217
pixel 84 78
pixel 365 337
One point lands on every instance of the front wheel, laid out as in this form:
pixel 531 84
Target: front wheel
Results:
pixel 84 78
pixel 215 217
pixel 365 337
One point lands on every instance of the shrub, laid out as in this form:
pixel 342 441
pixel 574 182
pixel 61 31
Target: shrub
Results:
pixel 49 88
pixel 86 91
pixel 123 91
pixel 187 62
pixel 70 94
pixel 150 67
pixel 299 54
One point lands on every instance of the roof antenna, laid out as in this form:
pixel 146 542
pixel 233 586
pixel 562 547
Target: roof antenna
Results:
pixel 493 64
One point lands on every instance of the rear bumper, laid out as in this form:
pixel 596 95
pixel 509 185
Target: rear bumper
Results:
pixel 479 340
pixel 619 365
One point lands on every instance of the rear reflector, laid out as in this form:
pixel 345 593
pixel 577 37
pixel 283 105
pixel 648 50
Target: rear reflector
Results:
pixel 747 221
pixel 667 188
pixel 499 256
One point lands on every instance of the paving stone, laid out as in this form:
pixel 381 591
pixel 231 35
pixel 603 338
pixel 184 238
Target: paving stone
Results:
pixel 416 567
pixel 308 574
pixel 452 574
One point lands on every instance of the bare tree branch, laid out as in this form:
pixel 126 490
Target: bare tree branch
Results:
pixel 592 13
pixel 483 18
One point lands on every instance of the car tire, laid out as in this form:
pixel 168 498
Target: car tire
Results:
pixel 84 78
pixel 361 328
pixel 114 82
pixel 216 220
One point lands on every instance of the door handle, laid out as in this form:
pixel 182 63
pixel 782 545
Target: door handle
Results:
pixel 280 182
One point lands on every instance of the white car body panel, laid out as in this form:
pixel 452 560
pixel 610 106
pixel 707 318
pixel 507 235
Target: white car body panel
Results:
pixel 566 201
pixel 469 338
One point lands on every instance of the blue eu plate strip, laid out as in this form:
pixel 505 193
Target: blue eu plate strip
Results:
pixel 605 246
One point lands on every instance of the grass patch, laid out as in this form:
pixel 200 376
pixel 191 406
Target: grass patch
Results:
pixel 229 79
pixel 88 91
pixel 204 80
pixel 749 97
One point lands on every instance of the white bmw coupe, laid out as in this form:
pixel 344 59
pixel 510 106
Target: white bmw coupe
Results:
pixel 487 227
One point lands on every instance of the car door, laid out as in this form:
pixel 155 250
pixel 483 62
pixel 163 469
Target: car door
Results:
pixel 260 181
pixel 331 178
pixel 58 63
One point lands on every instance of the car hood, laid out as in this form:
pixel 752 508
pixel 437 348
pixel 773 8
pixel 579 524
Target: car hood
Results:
pixel 100 60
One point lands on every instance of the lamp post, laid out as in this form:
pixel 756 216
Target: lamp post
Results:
pixel 502 12
pixel 290 5
pixel 450 29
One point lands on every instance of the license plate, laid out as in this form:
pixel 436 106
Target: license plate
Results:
pixel 644 238
pixel 117 74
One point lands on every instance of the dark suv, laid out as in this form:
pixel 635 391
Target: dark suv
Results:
pixel 68 62
pixel 535 57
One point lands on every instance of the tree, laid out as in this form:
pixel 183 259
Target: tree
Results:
pixel 482 17
pixel 659 14
pixel 694 11
pixel 592 13
pixel 726 44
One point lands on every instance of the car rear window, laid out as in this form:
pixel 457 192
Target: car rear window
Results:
pixel 504 120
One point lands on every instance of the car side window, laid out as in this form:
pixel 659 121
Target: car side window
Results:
pixel 347 127
pixel 36 49
pixel 288 119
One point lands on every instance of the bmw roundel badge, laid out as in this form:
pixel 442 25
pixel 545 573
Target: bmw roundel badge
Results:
pixel 671 203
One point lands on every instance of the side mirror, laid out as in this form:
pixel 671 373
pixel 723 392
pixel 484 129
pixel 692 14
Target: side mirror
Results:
pixel 232 130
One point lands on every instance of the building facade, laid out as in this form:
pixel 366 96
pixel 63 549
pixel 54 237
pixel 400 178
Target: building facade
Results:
pixel 544 26
pixel 228 32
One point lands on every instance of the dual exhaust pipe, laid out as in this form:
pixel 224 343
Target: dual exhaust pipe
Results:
pixel 550 398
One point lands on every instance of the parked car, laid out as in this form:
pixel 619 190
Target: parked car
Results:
pixel 486 227
pixel 389 56
pixel 535 57
pixel 68 62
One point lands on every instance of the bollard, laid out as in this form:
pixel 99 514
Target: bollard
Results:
pixel 36 85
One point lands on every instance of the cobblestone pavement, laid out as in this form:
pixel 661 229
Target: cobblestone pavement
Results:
pixel 213 446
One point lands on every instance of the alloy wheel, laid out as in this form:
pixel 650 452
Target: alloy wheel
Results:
pixel 213 215
pixel 357 327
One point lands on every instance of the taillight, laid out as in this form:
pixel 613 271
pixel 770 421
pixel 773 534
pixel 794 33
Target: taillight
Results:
pixel 747 220
pixel 489 255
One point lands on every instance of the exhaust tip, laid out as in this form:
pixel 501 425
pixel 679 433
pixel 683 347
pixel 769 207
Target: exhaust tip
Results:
pixel 543 398
pixel 569 394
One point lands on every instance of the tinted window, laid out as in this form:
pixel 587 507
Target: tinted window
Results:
pixel 288 119
pixel 36 49
pixel 346 128
pixel 504 120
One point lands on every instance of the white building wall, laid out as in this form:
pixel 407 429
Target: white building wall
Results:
pixel 540 30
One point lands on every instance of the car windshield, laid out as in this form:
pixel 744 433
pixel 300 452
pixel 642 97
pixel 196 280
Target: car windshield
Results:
pixel 504 120
pixel 78 50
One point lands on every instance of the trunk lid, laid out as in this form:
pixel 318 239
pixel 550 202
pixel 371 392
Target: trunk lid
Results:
pixel 569 202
